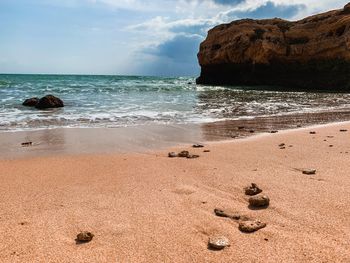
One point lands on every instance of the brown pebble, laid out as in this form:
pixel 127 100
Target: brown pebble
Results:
pixel 172 155
pixel 309 171
pixel 312 132
pixel 183 154
pixel 192 156
pixel 206 151
pixel 85 236
pixel 218 242
pixel 331 145
pixel 198 146
pixel 260 200
pixel 253 189
pixel 251 226
pixel 222 213
pixel 282 144
pixel 26 144
pixel 343 130
pixel 273 131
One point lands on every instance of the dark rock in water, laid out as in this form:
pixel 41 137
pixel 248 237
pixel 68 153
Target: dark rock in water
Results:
pixel 198 146
pixel 84 237
pixel 183 154
pixel 31 102
pixel 251 226
pixel 49 101
pixel 309 171
pixel 309 54
pixel 172 155
pixel 218 242
pixel 259 201
pixel 253 189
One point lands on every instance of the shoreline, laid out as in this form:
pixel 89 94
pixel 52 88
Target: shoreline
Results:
pixel 146 207
pixel 144 138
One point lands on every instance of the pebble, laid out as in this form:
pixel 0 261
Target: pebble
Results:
pixel 251 226
pixel 192 156
pixel 282 144
pixel 206 151
pixel 312 132
pixel 218 242
pixel 172 155
pixel 309 171
pixel 343 130
pixel 198 146
pixel 251 131
pixel 26 144
pixel 273 131
pixel 85 236
pixel 222 213
pixel 183 154
pixel 253 189
pixel 259 200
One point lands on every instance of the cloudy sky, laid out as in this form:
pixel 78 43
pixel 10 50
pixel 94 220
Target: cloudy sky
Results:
pixel 133 37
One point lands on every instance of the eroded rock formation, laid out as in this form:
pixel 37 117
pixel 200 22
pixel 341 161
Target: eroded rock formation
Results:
pixel 313 53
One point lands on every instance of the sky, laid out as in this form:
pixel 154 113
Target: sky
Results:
pixel 124 37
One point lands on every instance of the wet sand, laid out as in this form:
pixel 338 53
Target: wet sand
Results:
pixel 146 207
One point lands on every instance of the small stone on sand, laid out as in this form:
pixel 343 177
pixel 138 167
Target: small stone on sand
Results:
pixel 26 144
pixel 282 144
pixel 251 226
pixel 309 171
pixel 192 156
pixel 172 155
pixel 312 132
pixel 206 151
pixel 259 200
pixel 253 189
pixel 218 242
pixel 183 154
pixel 251 131
pixel 84 236
pixel 343 130
pixel 197 145
pixel 222 213
pixel 331 145
pixel 273 131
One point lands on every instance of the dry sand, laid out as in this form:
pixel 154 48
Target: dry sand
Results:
pixel 146 207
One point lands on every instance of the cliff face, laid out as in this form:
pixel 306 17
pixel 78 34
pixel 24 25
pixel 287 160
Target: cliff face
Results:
pixel 313 53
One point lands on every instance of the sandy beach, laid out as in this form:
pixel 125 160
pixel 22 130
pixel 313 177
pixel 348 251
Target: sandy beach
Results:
pixel 146 207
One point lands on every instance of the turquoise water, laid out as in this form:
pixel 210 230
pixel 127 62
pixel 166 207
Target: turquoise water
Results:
pixel 115 101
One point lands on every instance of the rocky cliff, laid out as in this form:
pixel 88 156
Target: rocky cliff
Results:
pixel 313 53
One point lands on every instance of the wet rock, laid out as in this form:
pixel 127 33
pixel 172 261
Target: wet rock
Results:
pixel 218 242
pixel 259 201
pixel 251 226
pixel 198 146
pixel 49 101
pixel 222 213
pixel 172 155
pixel 30 102
pixel 84 237
pixel 309 171
pixel 183 154
pixel 253 189
pixel 26 144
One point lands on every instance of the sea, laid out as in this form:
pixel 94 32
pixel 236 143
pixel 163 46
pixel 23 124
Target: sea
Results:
pixel 120 101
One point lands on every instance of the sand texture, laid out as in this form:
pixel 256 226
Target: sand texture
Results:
pixel 146 207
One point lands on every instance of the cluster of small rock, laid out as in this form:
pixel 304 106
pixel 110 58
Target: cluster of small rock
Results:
pixel 245 223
